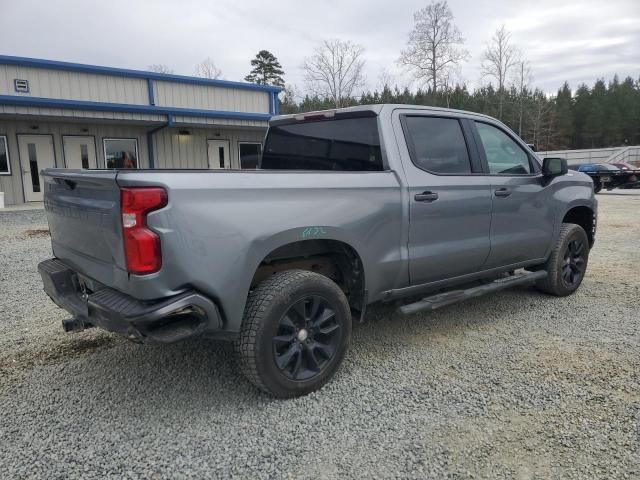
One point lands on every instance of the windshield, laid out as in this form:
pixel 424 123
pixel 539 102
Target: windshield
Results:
pixel 349 144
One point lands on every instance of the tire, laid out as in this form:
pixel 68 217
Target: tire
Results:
pixel 567 263
pixel 295 333
pixel 597 186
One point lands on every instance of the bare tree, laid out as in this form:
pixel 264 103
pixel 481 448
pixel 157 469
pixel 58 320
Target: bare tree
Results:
pixel 434 47
pixel 500 57
pixel 208 69
pixel 335 70
pixel 160 68
pixel 385 79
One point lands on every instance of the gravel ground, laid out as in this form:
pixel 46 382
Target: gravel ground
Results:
pixel 513 385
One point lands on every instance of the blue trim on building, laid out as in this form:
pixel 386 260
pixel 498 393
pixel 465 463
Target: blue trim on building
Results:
pixel 123 72
pixel 271 107
pixel 276 103
pixel 126 108
pixel 151 91
pixel 150 144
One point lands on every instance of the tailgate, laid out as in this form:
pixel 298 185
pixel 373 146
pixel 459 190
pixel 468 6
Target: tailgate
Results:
pixel 83 210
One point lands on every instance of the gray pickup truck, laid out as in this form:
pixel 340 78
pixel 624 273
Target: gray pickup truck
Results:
pixel 419 206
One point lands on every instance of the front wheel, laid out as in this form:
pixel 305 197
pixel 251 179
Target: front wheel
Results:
pixel 568 262
pixel 295 333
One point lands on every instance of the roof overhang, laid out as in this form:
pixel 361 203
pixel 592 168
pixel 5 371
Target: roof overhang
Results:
pixel 42 102
pixel 124 72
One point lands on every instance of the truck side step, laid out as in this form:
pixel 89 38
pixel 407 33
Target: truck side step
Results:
pixel 454 296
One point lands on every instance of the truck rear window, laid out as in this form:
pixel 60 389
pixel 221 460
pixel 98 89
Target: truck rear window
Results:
pixel 349 144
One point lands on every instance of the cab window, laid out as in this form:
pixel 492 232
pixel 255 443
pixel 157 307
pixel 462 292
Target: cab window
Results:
pixel 437 145
pixel 504 155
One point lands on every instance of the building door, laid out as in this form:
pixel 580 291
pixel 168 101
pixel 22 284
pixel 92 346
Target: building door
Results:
pixel 79 152
pixel 218 154
pixel 36 153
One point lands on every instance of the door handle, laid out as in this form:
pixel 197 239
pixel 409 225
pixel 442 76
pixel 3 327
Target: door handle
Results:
pixel 426 197
pixel 503 192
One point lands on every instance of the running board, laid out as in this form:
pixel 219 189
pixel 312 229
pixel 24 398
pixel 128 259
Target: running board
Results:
pixel 448 298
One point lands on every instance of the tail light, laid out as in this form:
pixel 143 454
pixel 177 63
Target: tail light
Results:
pixel 141 245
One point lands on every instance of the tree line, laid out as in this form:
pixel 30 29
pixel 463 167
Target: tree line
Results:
pixel 605 114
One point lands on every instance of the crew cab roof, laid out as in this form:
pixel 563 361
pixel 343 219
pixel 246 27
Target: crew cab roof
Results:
pixel 375 109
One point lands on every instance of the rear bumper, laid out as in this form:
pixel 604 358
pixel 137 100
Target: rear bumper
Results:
pixel 160 321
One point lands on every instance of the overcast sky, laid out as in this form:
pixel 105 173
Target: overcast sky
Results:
pixel 572 40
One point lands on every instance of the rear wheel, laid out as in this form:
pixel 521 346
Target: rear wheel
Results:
pixel 567 263
pixel 597 185
pixel 295 333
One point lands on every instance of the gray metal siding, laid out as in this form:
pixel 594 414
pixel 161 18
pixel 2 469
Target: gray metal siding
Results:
pixel 80 114
pixel 201 97
pixel 75 85
pixel 133 91
pixel 190 151
pixel 189 120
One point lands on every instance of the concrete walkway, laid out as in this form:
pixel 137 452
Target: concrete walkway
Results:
pixel 24 206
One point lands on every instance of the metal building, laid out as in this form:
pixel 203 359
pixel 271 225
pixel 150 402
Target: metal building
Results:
pixel 82 116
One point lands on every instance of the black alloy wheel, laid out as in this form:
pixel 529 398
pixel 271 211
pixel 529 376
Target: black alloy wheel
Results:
pixel 295 333
pixel 574 262
pixel 307 338
pixel 567 263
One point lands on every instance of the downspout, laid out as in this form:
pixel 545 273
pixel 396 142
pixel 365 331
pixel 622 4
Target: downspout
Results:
pixel 152 155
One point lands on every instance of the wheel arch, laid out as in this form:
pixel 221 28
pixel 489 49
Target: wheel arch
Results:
pixel 335 258
pixel 584 216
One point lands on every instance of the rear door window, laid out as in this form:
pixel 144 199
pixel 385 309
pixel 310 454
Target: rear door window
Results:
pixel 437 145
pixel 348 144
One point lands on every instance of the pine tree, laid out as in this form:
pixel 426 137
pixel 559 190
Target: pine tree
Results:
pixel 564 116
pixel 266 70
pixel 595 121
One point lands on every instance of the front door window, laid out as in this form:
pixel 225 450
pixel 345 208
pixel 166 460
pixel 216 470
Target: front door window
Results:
pixel 504 156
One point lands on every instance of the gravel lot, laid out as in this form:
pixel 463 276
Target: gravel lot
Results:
pixel 513 385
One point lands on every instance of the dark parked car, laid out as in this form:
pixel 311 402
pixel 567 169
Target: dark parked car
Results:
pixel 633 174
pixel 604 175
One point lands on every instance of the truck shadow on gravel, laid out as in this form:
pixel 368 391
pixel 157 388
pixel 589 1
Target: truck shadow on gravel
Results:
pixel 54 352
pixel 197 370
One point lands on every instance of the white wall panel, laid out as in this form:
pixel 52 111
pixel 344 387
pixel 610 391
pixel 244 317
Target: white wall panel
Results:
pixel 75 85
pixel 202 97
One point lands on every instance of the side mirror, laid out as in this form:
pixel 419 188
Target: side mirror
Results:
pixel 554 167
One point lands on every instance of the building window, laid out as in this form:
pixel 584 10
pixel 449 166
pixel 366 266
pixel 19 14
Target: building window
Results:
pixel 5 166
pixel 249 155
pixel 120 152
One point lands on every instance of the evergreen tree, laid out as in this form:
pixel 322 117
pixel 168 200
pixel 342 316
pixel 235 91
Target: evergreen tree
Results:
pixel 564 116
pixel 581 112
pixel 595 121
pixel 602 116
pixel 266 70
